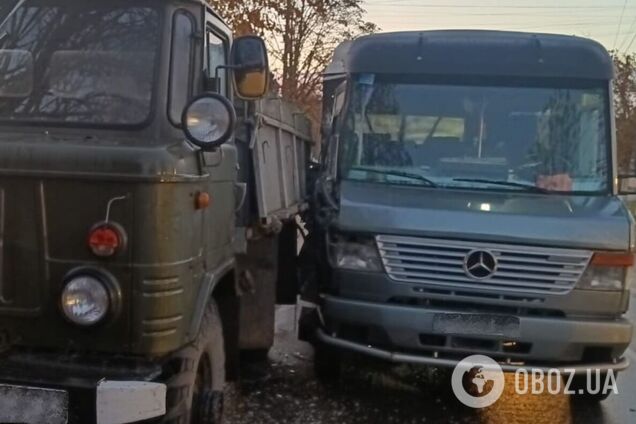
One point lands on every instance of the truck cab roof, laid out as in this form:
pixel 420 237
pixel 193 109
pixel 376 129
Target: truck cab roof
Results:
pixel 474 53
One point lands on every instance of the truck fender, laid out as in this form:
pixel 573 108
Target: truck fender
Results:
pixel 210 280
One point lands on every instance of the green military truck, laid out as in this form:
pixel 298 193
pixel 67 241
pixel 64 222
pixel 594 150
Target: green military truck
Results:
pixel 140 212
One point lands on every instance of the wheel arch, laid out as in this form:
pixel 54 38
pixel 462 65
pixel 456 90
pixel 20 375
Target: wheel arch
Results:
pixel 215 284
pixel 228 301
pixel 220 285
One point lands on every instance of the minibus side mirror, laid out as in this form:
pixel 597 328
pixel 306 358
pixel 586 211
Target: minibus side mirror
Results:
pixel 627 184
pixel 250 66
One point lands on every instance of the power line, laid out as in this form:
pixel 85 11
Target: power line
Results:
pixel 581 19
pixel 598 23
pixel 620 24
pixel 570 14
pixel 595 33
pixel 631 27
pixel 404 3
pixel 629 46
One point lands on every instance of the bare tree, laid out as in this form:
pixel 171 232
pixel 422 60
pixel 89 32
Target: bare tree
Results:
pixel 247 17
pixel 302 35
pixel 625 104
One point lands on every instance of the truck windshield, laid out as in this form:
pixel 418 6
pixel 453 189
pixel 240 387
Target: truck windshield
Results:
pixel 530 138
pixel 85 62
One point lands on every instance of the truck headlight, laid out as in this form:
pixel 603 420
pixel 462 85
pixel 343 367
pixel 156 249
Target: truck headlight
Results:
pixel 608 272
pixel 85 300
pixel 208 120
pixel 350 252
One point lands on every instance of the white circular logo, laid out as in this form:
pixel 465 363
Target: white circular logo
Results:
pixel 478 381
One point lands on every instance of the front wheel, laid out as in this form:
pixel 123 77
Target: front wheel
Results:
pixel 327 363
pixel 195 376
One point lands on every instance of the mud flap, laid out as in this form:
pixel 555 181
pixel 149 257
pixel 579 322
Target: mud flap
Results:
pixel 30 405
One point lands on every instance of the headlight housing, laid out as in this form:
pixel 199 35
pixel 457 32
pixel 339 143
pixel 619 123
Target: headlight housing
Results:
pixel 85 300
pixel 608 272
pixel 354 253
pixel 603 278
pixel 208 121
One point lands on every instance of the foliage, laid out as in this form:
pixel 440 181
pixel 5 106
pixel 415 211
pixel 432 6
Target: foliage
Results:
pixel 625 105
pixel 559 134
pixel 301 35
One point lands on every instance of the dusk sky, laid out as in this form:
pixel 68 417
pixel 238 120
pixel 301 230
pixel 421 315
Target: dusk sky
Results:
pixel 612 22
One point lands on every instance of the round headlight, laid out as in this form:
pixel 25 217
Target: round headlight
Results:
pixel 85 300
pixel 208 121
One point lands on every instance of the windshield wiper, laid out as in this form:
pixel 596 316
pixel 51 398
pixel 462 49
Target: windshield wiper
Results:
pixel 396 173
pixel 527 187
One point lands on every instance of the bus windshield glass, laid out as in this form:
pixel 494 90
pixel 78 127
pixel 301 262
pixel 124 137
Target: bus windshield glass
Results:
pixel 533 138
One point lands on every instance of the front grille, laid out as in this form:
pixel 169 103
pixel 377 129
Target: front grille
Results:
pixel 519 268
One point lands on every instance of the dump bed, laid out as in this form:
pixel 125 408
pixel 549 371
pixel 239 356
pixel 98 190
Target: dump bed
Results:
pixel 274 147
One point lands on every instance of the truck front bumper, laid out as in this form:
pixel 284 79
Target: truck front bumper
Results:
pixel 419 335
pixel 36 390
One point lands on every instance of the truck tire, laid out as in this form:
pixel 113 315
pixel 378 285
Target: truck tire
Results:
pixel 327 363
pixel 196 376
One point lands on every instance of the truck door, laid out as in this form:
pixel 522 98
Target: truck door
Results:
pixel 221 164
pixel 181 89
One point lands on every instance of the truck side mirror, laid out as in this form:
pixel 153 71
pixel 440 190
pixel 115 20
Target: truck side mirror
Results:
pixel 208 120
pixel 251 67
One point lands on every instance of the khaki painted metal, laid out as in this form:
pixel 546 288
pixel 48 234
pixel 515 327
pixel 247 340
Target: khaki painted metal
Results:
pixel 56 183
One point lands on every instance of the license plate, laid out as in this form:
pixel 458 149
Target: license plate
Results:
pixel 31 405
pixel 476 324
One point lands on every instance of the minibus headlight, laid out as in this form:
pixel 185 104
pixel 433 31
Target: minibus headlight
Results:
pixel 354 254
pixel 603 278
pixel 85 300
pixel 608 272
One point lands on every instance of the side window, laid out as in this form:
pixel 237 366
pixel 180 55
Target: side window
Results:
pixel 217 56
pixel 333 148
pixel 180 65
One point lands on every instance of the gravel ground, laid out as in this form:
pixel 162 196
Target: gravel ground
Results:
pixel 284 390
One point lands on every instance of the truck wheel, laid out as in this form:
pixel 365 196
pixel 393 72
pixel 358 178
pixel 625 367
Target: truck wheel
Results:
pixel 196 376
pixel 255 355
pixel 579 387
pixel 327 363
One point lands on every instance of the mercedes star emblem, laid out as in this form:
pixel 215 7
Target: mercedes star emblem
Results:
pixel 480 264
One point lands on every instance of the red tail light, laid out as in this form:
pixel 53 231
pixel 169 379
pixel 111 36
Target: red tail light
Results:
pixel 105 240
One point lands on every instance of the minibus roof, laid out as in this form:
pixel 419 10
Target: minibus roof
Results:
pixel 474 53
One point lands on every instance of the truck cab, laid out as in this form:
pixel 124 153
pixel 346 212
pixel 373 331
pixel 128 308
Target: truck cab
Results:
pixel 120 182
pixel 468 204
